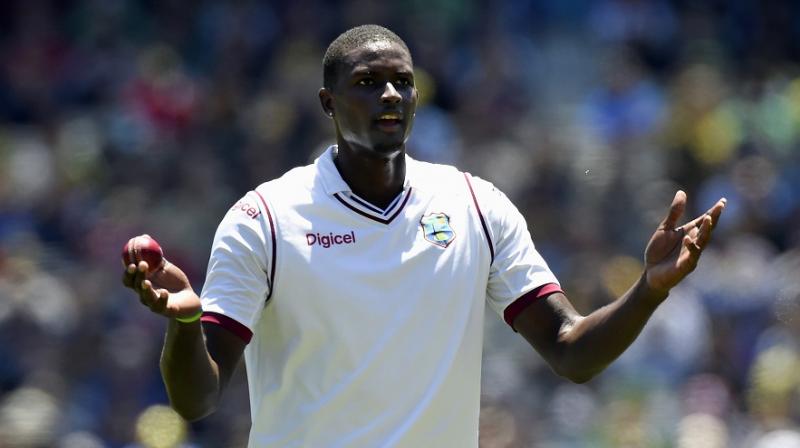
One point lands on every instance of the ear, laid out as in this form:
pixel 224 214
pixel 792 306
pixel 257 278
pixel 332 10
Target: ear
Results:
pixel 326 101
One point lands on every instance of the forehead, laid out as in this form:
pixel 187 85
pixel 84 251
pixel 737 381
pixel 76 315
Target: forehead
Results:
pixel 377 55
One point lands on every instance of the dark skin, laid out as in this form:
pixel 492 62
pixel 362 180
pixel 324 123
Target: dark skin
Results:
pixel 372 103
pixel 579 347
pixel 195 369
pixel 375 81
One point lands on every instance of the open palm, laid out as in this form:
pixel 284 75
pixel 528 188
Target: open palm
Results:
pixel 673 252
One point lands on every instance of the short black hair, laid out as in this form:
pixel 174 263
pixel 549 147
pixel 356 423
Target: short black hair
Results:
pixel 350 39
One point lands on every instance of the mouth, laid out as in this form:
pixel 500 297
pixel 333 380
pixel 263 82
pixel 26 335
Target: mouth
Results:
pixel 390 121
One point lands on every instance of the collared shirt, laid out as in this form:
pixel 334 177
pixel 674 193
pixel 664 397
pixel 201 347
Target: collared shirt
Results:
pixel 365 325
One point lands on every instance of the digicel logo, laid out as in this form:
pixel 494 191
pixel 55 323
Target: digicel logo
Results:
pixel 331 239
pixel 249 210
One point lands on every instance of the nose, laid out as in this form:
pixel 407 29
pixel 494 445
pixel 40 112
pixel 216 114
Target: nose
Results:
pixel 390 94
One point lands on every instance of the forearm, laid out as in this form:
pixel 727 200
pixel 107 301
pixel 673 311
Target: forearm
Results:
pixel 591 343
pixel 190 375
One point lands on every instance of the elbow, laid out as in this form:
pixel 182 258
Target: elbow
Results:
pixel 192 406
pixel 192 413
pixel 192 402
pixel 580 378
pixel 577 375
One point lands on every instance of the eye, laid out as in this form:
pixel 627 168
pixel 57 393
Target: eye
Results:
pixel 366 82
pixel 405 82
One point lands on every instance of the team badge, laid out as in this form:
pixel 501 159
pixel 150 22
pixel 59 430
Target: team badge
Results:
pixel 436 229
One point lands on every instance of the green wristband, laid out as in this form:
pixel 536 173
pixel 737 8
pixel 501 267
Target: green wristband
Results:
pixel 190 319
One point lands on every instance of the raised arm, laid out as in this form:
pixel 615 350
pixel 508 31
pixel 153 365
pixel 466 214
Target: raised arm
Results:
pixel 579 347
pixel 198 359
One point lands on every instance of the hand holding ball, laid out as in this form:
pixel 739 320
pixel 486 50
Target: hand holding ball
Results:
pixel 143 248
pixel 163 287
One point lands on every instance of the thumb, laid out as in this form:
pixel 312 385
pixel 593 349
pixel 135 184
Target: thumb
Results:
pixel 675 211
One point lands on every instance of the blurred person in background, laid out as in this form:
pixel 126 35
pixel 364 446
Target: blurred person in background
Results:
pixel 355 287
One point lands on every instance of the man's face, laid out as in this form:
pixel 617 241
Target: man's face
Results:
pixel 374 98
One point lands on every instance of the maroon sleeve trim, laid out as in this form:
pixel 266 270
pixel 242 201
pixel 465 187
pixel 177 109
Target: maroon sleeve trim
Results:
pixel 229 324
pixel 516 307
pixel 483 221
pixel 274 246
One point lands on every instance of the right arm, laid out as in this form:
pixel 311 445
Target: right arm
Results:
pixel 198 360
pixel 195 369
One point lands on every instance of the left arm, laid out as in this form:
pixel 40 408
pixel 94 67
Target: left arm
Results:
pixel 579 347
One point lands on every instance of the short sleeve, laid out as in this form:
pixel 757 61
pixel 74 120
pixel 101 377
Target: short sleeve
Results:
pixel 517 267
pixel 236 285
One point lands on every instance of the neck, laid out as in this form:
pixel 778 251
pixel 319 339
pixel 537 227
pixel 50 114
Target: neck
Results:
pixel 378 179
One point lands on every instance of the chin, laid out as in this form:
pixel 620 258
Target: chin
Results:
pixel 379 146
pixel 388 148
pixel 389 143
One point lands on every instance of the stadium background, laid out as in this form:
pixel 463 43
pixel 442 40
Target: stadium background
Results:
pixel 119 117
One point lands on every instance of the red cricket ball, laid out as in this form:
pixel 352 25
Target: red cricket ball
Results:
pixel 143 248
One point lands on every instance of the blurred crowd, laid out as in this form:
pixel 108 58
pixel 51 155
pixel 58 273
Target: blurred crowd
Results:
pixel 122 117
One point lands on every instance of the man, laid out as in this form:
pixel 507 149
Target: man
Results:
pixel 355 286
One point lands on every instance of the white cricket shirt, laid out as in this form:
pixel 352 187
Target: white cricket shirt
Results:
pixel 367 324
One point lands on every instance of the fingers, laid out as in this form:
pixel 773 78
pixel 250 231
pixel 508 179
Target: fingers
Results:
pixel 139 276
pixel 155 299
pixel 692 245
pixel 669 266
pixel 714 212
pixel 695 244
pixel 135 277
pixel 128 275
pixel 704 235
pixel 697 238
pixel 675 211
